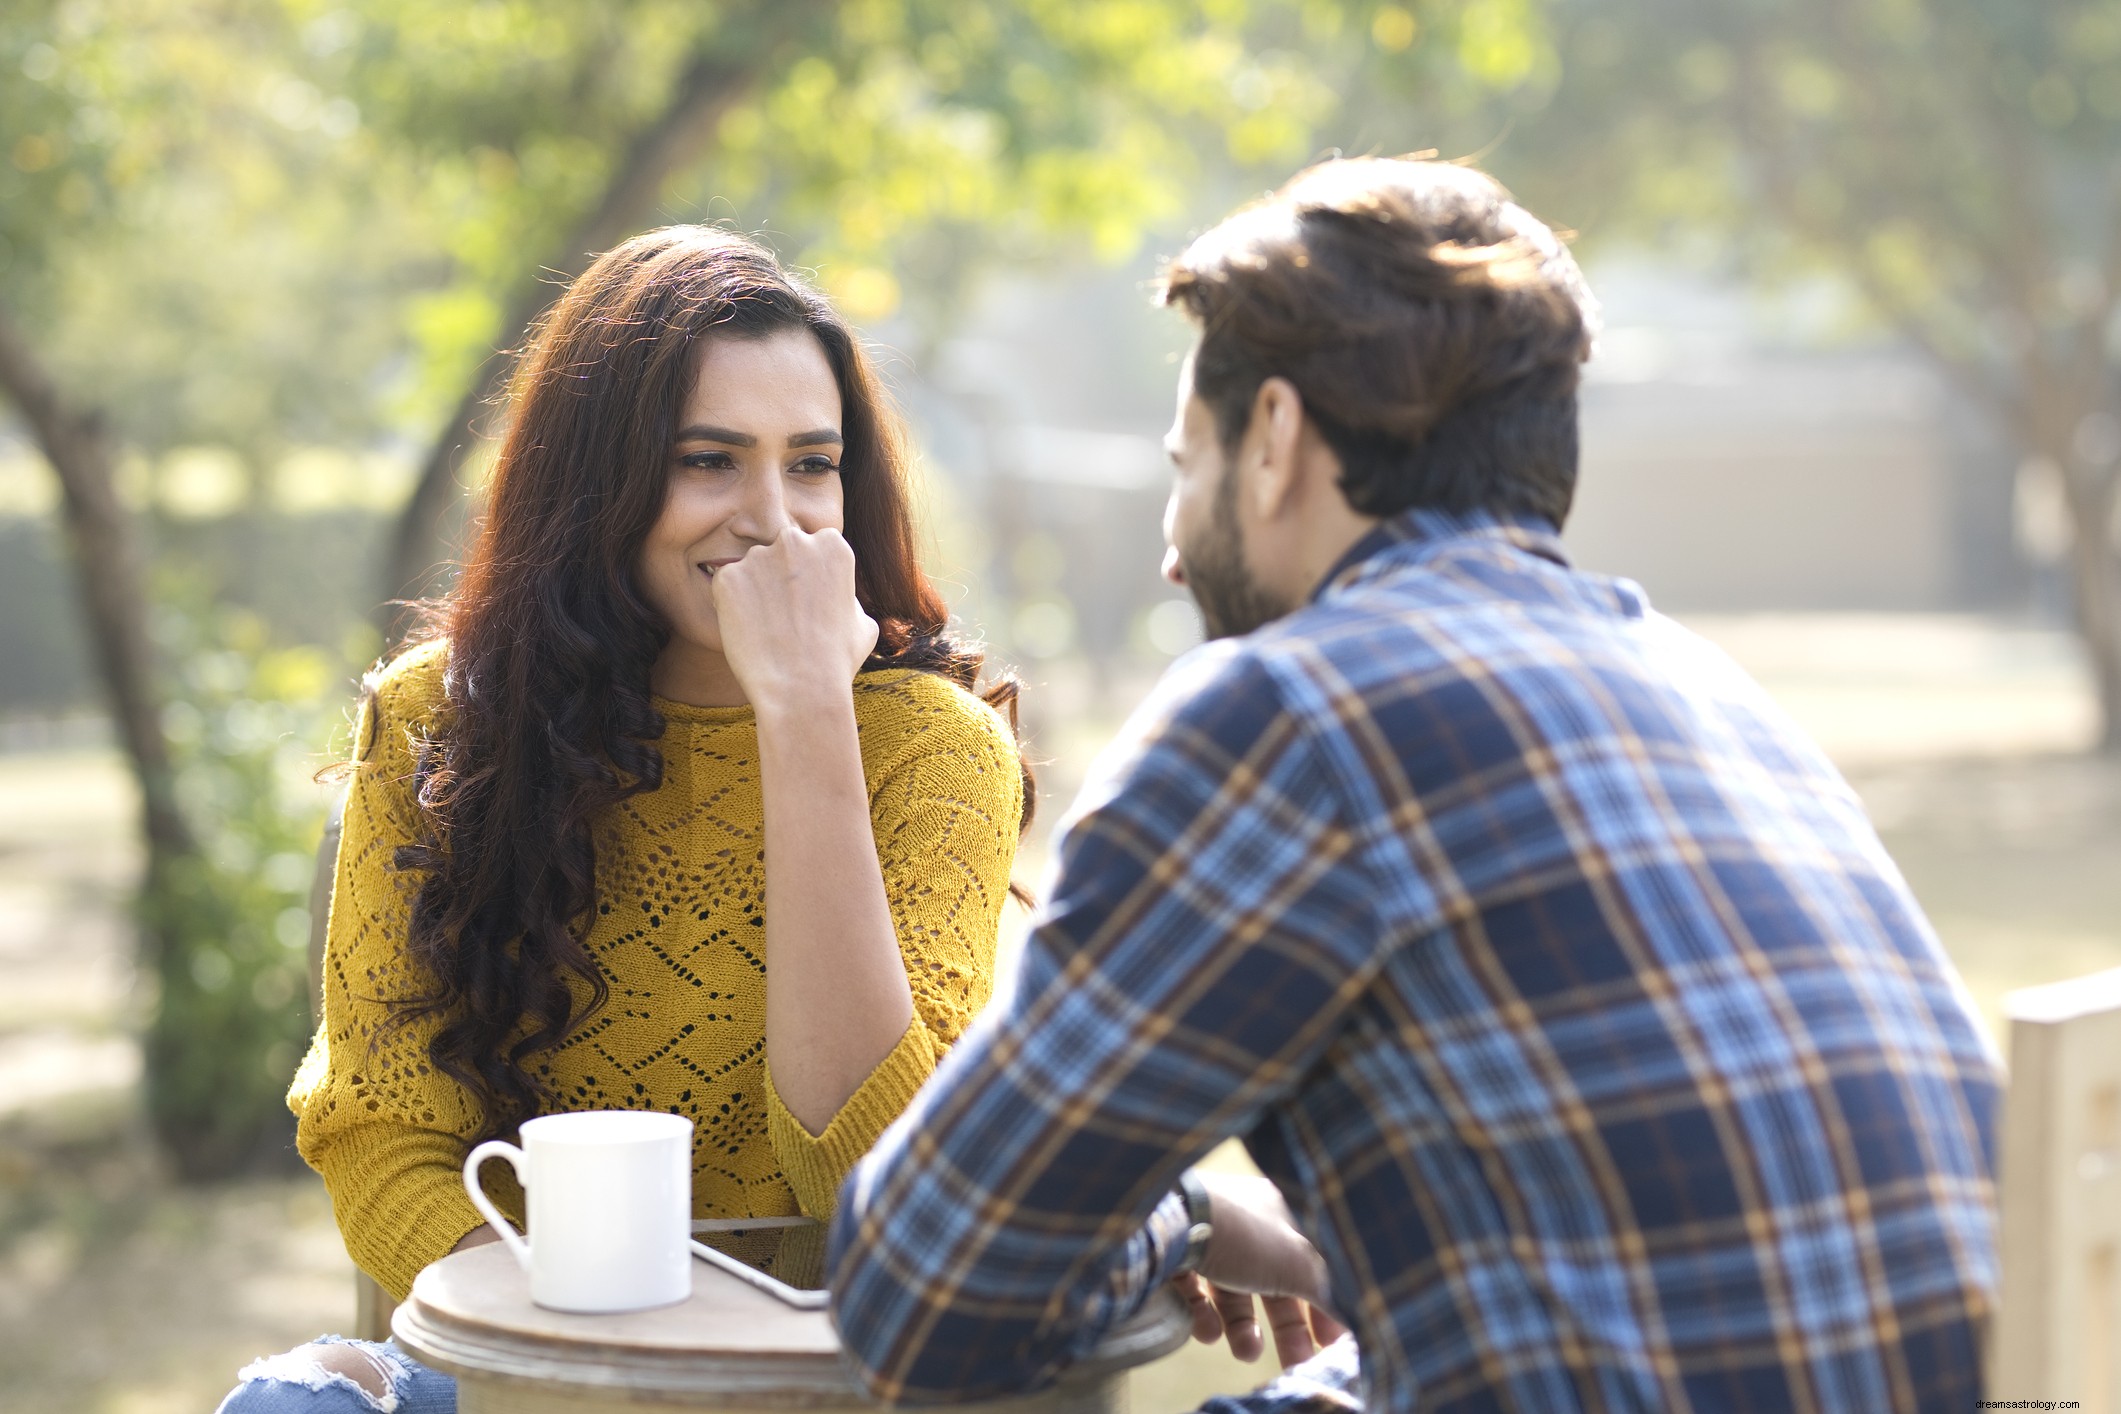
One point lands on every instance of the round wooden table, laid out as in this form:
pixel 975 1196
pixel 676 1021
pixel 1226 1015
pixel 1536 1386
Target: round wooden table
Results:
pixel 730 1347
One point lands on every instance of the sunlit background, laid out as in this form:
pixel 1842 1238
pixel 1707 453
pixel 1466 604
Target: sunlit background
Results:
pixel 1854 415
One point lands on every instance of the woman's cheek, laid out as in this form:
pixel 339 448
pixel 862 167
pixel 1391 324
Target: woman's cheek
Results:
pixel 825 508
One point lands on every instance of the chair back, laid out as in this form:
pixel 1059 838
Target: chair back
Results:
pixel 320 883
pixel 372 1305
pixel 2058 1328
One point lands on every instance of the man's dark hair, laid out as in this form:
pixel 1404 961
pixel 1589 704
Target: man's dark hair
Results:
pixel 1435 330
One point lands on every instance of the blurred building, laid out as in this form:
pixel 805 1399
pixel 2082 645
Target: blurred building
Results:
pixel 1739 455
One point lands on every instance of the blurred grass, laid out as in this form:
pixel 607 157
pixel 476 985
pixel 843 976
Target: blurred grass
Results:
pixel 120 1294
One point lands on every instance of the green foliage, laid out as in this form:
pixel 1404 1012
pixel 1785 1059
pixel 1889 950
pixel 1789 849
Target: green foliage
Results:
pixel 230 924
pixel 53 147
pixel 1956 162
pixel 896 145
pixel 210 249
pixel 1034 127
pixel 263 224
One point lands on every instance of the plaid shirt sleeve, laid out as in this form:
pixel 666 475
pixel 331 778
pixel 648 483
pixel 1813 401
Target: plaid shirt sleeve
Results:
pixel 1211 923
pixel 1330 1382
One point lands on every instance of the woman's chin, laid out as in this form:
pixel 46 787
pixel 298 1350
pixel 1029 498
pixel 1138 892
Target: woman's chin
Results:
pixel 688 654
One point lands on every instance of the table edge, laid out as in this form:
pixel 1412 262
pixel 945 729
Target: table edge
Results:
pixel 743 1379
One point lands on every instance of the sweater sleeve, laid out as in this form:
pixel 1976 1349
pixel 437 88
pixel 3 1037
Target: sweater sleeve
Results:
pixel 945 802
pixel 387 1132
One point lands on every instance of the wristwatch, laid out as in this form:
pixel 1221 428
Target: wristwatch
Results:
pixel 1199 1218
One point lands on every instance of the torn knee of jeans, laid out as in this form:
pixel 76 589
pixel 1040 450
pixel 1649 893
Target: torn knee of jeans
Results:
pixel 330 1365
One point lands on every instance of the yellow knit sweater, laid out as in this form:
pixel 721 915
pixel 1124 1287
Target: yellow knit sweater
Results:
pixel 680 936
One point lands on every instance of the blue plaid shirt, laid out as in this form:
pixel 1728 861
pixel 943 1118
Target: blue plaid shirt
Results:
pixel 1557 979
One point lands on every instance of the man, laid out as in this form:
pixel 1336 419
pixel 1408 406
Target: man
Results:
pixel 1551 974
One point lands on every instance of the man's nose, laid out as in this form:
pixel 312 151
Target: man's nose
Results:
pixel 1173 570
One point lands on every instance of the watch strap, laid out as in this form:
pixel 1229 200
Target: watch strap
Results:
pixel 1200 1220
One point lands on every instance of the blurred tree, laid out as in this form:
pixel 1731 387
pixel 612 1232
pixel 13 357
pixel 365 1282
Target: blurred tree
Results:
pixel 231 915
pixel 56 175
pixel 108 573
pixel 157 227
pixel 887 141
pixel 1957 163
pixel 548 132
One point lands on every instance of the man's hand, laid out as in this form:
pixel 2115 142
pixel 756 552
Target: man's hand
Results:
pixel 1256 1248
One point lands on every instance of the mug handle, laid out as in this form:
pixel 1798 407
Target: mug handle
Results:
pixel 497 1149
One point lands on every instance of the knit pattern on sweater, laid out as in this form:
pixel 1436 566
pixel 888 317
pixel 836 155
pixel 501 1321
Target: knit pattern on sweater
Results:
pixel 679 933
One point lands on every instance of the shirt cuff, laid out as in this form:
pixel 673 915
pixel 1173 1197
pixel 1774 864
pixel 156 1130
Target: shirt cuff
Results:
pixel 816 1164
pixel 1169 1228
pixel 1330 1382
pixel 399 1199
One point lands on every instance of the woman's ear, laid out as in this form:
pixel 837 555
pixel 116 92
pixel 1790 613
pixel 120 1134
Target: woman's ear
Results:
pixel 1275 447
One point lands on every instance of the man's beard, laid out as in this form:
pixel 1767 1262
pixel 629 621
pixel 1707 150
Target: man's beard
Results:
pixel 1231 601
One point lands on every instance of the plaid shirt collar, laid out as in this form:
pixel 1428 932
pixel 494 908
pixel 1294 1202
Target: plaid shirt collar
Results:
pixel 1417 531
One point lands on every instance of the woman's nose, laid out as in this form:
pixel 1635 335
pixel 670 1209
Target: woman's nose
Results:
pixel 763 513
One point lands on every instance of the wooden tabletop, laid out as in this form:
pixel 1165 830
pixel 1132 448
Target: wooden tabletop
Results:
pixel 730 1345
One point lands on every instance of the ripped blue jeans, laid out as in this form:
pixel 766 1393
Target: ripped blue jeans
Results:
pixel 294 1383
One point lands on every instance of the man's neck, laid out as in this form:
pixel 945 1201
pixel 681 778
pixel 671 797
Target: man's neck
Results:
pixel 1328 537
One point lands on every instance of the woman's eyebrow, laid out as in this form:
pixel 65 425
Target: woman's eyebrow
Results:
pixel 703 432
pixel 706 432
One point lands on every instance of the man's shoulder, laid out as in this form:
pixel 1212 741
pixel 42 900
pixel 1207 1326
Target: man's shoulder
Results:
pixel 1206 713
pixel 1302 667
pixel 1417 648
pixel 1222 679
pixel 1399 637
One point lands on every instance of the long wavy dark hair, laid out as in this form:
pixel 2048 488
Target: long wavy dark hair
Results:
pixel 547 717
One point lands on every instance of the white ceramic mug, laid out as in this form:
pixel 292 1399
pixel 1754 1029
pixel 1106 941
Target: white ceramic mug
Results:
pixel 608 1201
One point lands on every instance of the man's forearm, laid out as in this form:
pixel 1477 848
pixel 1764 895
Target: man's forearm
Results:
pixel 990 1325
pixel 1192 963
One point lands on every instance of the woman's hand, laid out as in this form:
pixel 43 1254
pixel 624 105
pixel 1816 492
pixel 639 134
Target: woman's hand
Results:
pixel 838 1001
pixel 790 624
pixel 1256 1248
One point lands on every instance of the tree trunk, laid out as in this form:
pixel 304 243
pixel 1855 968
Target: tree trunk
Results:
pixel 213 1107
pixel 707 89
pixel 109 572
pixel 2095 591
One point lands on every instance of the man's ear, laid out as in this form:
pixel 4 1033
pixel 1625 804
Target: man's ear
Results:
pixel 1274 446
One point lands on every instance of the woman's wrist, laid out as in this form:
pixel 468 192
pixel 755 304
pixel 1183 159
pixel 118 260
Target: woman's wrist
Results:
pixel 800 698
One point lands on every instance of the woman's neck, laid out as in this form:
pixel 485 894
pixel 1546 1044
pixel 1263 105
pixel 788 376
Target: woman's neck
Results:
pixel 697 677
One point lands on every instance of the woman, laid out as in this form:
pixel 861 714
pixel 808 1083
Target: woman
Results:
pixel 692 713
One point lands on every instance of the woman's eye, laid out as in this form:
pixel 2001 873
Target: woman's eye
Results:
pixel 815 466
pixel 708 461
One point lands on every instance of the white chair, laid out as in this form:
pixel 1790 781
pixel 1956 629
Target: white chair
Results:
pixel 2057 1334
